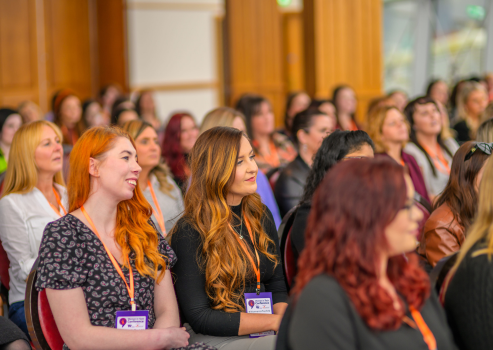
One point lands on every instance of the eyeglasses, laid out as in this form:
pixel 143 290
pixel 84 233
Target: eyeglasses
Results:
pixel 361 157
pixel 484 147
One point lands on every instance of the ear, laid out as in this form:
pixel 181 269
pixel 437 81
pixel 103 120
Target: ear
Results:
pixel 302 137
pixel 93 167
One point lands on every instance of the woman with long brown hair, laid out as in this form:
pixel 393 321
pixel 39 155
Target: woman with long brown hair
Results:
pixel 228 246
pixel 359 284
pixel 67 110
pixel 455 209
pixel 110 264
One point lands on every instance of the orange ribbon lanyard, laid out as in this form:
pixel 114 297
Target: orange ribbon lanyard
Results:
pixel 273 157
pixel 428 336
pixel 256 269
pixel 442 164
pixel 403 163
pixel 158 214
pixel 115 263
pixel 59 204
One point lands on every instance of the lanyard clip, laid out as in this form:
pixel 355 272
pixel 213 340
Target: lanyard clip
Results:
pixel 258 289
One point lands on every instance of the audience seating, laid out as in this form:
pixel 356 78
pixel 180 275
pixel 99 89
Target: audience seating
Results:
pixel 40 322
pixel 4 275
pixel 440 271
pixel 287 255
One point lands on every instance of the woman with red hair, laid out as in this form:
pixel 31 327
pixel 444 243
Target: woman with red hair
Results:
pixel 179 137
pixel 358 285
pixel 68 115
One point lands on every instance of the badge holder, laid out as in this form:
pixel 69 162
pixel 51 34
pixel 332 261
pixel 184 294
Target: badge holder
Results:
pixel 132 320
pixel 259 304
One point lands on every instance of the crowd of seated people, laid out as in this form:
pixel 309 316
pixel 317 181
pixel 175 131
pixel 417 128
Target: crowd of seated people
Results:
pixel 145 195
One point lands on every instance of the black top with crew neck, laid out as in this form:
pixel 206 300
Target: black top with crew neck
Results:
pixel 324 317
pixel 194 303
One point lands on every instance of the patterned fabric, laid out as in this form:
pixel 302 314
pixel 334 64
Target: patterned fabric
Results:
pixel 72 256
pixel 283 152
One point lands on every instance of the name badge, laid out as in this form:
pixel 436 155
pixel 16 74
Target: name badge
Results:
pixel 259 304
pixel 132 320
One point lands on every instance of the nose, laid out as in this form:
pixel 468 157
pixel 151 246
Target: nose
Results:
pixel 136 169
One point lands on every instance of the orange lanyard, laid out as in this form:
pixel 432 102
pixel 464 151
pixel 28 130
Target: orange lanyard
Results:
pixel 273 158
pixel 428 336
pixel 256 268
pixel 59 204
pixel 115 263
pixel 158 214
pixel 442 164
pixel 403 163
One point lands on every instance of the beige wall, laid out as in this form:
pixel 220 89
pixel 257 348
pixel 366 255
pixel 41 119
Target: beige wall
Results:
pixel 172 49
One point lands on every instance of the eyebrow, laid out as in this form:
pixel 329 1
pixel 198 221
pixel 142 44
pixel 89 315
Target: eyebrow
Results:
pixel 244 156
pixel 129 153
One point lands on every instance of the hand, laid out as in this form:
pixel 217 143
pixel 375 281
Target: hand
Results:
pixel 175 337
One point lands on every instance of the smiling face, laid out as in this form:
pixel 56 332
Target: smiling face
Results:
pixel 401 232
pixel 245 176
pixel 394 128
pixel 117 172
pixel 11 125
pixel 263 121
pixel 48 156
pixel 148 149
pixel 189 134
pixel 427 119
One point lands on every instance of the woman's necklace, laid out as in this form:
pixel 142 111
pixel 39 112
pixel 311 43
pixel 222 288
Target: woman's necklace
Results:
pixel 241 227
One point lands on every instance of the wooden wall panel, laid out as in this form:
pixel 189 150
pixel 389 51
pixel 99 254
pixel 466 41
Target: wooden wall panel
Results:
pixel 293 51
pixel 343 45
pixel 18 69
pixel 68 46
pixel 112 45
pixel 254 52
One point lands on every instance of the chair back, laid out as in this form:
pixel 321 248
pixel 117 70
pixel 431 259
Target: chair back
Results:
pixel 440 271
pixel 40 322
pixel 272 175
pixel 4 268
pixel 287 256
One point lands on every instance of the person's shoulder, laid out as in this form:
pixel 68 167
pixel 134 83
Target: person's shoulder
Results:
pixel 324 283
pixel 327 290
pixel 460 125
pixel 184 231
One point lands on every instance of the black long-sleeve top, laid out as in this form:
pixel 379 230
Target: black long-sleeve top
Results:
pixel 194 303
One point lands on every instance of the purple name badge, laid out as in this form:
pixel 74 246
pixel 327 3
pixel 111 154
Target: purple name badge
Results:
pixel 259 304
pixel 132 320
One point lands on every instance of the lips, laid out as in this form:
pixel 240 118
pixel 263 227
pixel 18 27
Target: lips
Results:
pixel 132 182
pixel 252 179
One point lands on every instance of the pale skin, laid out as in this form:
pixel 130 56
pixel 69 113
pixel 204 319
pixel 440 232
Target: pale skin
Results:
pixel 401 237
pixel 113 179
pixel 48 157
pixel 263 127
pixel 346 106
pixel 148 152
pixel 311 140
pixel 394 134
pixel 245 184
pixel 11 125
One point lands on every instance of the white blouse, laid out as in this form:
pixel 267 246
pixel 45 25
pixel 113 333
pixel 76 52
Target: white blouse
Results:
pixel 23 218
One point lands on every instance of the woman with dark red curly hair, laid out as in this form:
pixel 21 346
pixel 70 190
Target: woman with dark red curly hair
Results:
pixel 358 285
pixel 179 138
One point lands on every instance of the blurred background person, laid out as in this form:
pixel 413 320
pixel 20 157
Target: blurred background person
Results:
pixel 345 102
pixel 438 91
pixel 29 111
pixel 400 99
pixel 155 179
pixel 146 109
pixel 67 110
pixel 485 132
pixel 455 209
pixel 296 102
pixel 107 96
pixel 359 283
pixel 34 194
pixel 325 106
pixel 122 115
pixel 10 122
pixel 338 146
pixel 225 116
pixel 472 102
pixel 92 113
pixel 309 129
pixel 179 137
pixel 433 155
pixel 272 149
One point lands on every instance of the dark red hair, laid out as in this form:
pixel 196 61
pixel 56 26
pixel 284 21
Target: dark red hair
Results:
pixel 346 231
pixel 172 152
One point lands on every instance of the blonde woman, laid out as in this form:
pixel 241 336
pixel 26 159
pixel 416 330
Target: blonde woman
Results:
pixel 225 116
pixel 34 195
pixel 468 296
pixel 485 131
pixel 472 103
pixel 155 180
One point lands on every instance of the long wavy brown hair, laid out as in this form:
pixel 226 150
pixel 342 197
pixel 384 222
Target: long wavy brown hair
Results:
pixel 213 163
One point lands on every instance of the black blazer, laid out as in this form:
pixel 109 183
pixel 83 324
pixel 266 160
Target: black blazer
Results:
pixel 290 185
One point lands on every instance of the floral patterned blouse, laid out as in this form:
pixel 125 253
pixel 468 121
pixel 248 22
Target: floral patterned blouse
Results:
pixel 282 152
